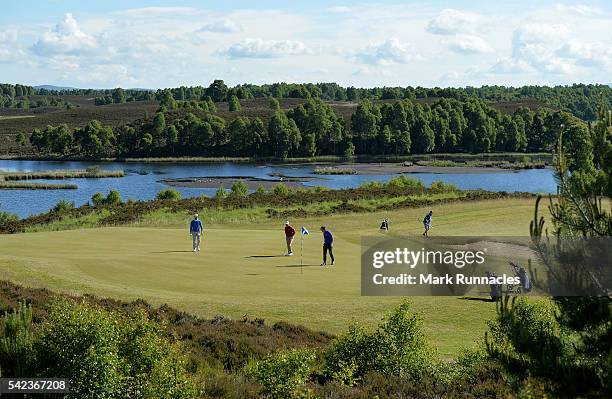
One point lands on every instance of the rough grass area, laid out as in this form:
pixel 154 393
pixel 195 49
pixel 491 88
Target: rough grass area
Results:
pixel 206 341
pixel 241 269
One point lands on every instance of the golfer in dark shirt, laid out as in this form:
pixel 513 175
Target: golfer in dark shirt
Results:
pixel 328 242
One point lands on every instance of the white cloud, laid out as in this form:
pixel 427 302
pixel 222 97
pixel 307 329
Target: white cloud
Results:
pixel 534 44
pixel 148 12
pixel 597 54
pixel 66 38
pixel 259 48
pixel 451 21
pixel 8 36
pixel 509 65
pixel 391 51
pixel 581 9
pixel 340 9
pixel 221 26
pixel 469 44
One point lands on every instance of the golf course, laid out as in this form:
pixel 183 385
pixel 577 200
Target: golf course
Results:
pixel 242 269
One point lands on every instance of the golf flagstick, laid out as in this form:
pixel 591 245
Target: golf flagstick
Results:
pixel 304 232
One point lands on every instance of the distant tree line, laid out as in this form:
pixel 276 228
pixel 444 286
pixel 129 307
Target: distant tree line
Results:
pixel 190 127
pixel 18 96
pixel 581 100
pixel 120 96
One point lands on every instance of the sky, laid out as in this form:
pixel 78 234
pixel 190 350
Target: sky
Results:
pixel 156 44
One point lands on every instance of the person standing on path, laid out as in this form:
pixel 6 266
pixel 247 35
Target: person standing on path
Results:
pixel 289 234
pixel 196 230
pixel 328 243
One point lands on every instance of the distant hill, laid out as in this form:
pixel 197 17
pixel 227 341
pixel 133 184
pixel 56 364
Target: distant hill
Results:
pixel 55 88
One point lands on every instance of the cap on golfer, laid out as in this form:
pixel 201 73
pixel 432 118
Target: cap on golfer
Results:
pixel 195 215
pixel 287 222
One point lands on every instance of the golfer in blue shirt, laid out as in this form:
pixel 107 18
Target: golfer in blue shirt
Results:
pixel 328 243
pixel 195 230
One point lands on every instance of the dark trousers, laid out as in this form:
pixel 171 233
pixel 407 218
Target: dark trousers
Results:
pixel 327 247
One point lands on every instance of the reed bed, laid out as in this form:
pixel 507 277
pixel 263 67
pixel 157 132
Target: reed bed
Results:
pixel 11 185
pixel 330 170
pixel 60 174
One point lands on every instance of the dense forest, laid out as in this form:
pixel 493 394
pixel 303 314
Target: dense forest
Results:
pixel 397 127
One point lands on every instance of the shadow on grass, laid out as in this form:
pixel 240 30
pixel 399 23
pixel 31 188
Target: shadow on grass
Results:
pixel 466 298
pixel 297 265
pixel 265 256
pixel 168 252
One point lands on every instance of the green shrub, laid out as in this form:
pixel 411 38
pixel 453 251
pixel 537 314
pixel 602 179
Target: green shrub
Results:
pixel 108 355
pixel 527 336
pixel 239 189
pixel 260 189
pixel 396 348
pixel 221 193
pixel 80 343
pixel 281 373
pixel 349 152
pixel 6 218
pixel 439 185
pixel 404 181
pixel 281 189
pixel 113 198
pixel 17 356
pixel 63 206
pixel 171 194
pixel 97 199
pixel 372 185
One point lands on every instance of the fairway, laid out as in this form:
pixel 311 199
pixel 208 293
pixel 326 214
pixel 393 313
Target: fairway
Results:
pixel 241 269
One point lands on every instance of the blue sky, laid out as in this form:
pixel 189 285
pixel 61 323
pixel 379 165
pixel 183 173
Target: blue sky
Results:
pixel 157 44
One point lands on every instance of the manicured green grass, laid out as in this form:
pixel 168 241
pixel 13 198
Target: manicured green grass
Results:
pixel 241 269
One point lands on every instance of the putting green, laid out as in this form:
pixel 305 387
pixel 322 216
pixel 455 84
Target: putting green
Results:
pixel 241 268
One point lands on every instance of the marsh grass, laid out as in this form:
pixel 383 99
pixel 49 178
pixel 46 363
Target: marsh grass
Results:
pixel 330 170
pixel 9 185
pixel 503 164
pixel 61 174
